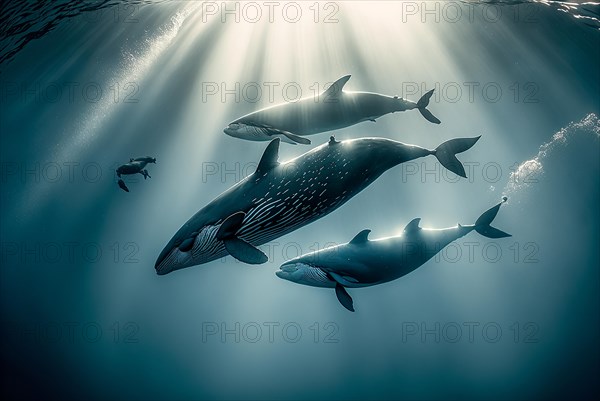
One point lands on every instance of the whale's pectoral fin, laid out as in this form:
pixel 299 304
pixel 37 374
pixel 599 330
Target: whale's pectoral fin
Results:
pixel 336 88
pixel 231 225
pixel 296 138
pixel 343 296
pixel 123 186
pixel 292 137
pixel 244 252
pixel 237 247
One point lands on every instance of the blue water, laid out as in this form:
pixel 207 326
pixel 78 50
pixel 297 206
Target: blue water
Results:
pixel 85 86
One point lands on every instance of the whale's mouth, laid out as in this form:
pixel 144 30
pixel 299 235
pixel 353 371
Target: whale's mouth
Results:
pixel 286 271
pixel 165 262
pixel 231 129
pixel 248 131
pixel 239 130
pixel 289 268
pixel 303 273
pixel 190 249
pixel 170 259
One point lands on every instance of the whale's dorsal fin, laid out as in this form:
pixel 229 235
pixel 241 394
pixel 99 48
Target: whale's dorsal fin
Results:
pixel 269 157
pixel 361 237
pixel 336 88
pixel 237 247
pixel 413 225
pixel 333 141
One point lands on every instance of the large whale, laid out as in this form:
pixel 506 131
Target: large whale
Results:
pixel 363 262
pixel 333 109
pixel 279 198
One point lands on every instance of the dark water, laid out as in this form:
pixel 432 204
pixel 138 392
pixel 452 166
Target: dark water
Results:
pixel 24 21
pixel 85 86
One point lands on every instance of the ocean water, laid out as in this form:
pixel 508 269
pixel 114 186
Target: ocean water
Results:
pixel 85 86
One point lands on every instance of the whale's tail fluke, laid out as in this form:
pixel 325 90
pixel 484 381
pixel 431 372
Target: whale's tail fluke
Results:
pixel 483 227
pixel 422 106
pixel 446 153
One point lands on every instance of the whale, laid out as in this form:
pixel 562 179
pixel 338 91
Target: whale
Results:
pixel 363 262
pixel 279 198
pixel 330 110
pixel 135 166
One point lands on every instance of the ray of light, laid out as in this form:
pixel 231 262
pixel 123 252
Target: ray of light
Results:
pixel 376 47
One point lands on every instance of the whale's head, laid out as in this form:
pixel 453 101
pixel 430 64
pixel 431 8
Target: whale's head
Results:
pixel 346 264
pixel 317 268
pixel 248 132
pixel 306 273
pixel 190 248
